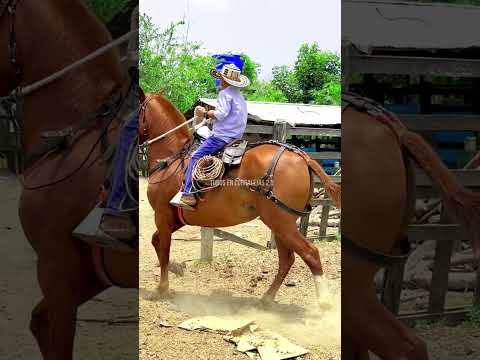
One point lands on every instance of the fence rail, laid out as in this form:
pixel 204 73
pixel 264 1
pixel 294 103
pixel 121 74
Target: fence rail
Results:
pixel 445 235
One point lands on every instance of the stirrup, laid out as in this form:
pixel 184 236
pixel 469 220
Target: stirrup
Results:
pixel 89 230
pixel 177 202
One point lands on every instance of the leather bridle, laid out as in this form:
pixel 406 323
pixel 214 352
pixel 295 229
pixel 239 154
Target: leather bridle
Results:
pixel 9 7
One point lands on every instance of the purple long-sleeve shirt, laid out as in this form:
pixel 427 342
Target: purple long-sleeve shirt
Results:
pixel 230 114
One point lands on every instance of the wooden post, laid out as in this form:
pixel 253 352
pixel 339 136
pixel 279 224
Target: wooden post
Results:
pixel 441 268
pixel 304 220
pixel 280 134
pixel 392 287
pixel 206 251
pixel 324 221
pixel 476 297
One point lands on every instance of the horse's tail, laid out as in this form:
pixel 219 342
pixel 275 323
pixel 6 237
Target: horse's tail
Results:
pixel 332 189
pixel 461 204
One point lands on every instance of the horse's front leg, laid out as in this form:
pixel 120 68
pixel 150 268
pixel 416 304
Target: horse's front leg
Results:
pixel 59 281
pixel 161 241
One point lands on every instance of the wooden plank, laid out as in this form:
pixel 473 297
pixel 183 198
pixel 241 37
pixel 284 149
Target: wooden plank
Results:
pixel 437 232
pixel 409 65
pixel 457 314
pixel 326 155
pixel 469 178
pixel 206 247
pixel 268 129
pixel 259 129
pixel 321 202
pixel 314 131
pixel 237 239
pixel 438 122
pixel 336 179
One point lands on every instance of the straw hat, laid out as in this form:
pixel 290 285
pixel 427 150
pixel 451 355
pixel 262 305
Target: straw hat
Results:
pixel 232 75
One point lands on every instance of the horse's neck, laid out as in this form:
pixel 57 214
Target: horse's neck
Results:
pixel 167 147
pixel 66 32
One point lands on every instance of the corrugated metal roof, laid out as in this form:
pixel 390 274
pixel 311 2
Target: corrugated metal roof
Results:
pixel 294 114
pixel 396 24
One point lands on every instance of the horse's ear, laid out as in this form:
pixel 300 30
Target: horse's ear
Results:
pixel 141 95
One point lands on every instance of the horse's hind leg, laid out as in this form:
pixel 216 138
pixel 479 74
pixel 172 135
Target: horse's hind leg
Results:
pixel 286 258
pixel 284 226
pixel 39 324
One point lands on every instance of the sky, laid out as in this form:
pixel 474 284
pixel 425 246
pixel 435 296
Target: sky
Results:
pixel 269 31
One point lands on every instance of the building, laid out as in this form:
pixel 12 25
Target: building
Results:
pixel 416 66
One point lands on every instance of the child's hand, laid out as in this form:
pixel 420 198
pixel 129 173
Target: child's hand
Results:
pixel 200 111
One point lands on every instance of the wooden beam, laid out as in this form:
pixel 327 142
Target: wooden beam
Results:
pixel 314 131
pixel 259 129
pixel 409 65
pixel 468 178
pixel 450 122
pixel 458 314
pixel 325 155
pixel 336 179
pixel 437 232
pixel 322 202
pixel 237 239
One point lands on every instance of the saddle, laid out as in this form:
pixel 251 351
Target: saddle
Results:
pixel 232 154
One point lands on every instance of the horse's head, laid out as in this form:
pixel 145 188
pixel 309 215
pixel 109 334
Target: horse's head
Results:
pixel 10 68
pixel 157 116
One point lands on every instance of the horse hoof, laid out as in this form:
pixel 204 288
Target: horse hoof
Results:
pixel 161 293
pixel 323 306
pixel 266 303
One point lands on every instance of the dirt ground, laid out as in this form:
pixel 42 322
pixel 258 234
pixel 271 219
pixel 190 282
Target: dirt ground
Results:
pixel 231 286
pixel 97 338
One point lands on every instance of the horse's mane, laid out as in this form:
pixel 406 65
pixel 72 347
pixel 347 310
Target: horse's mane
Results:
pixel 169 110
pixel 167 105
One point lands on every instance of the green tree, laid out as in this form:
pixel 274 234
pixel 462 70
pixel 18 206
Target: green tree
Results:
pixel 315 78
pixel 314 69
pixel 286 80
pixel 172 65
pixel 106 10
pixel 264 91
pixel 330 94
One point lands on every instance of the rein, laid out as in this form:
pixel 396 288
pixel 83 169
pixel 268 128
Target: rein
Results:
pixel 58 140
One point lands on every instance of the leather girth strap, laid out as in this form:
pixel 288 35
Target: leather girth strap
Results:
pixel 376 257
pixel 266 188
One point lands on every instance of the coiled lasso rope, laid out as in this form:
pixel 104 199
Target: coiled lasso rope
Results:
pixel 207 169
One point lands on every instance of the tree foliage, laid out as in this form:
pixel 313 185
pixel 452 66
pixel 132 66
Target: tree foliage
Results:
pixel 172 65
pixel 264 91
pixel 315 78
pixel 106 10
pixel 177 67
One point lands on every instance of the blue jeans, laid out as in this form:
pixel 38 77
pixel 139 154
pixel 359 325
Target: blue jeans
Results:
pixel 117 186
pixel 209 147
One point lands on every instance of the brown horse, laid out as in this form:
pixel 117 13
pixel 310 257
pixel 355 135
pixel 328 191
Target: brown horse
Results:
pixel 60 188
pixel 229 205
pixel 378 202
